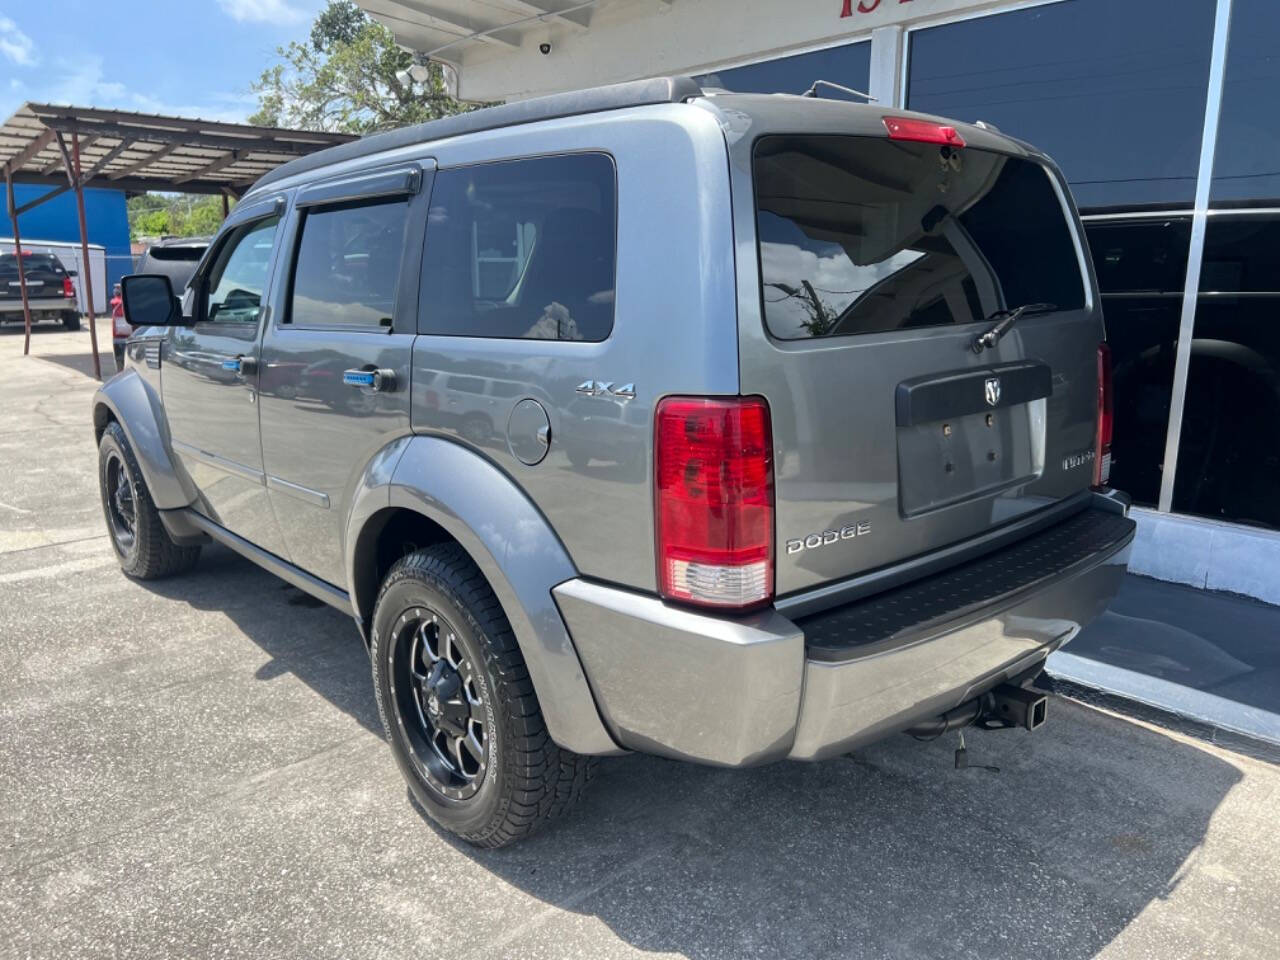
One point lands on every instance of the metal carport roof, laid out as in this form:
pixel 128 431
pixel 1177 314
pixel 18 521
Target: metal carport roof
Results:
pixel 70 148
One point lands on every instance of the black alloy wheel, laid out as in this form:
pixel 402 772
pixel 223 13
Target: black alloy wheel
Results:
pixel 439 704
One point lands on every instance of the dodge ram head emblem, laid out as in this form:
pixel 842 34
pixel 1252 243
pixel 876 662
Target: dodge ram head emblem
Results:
pixel 991 389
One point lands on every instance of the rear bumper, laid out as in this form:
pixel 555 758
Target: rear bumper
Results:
pixel 741 691
pixel 12 309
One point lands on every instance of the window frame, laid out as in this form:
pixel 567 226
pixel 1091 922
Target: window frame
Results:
pixel 408 183
pixel 421 295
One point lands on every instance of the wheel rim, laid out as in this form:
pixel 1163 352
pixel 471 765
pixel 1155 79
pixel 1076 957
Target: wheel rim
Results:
pixel 439 704
pixel 122 510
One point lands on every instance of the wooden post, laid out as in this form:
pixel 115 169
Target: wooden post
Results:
pixel 17 252
pixel 86 274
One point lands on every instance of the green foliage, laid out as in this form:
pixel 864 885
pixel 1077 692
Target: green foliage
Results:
pixel 174 215
pixel 350 77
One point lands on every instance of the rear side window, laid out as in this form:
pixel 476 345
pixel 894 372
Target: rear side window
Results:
pixel 522 249
pixel 862 235
pixel 347 267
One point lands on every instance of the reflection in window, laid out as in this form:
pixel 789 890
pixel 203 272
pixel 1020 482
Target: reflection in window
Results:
pixel 1247 163
pixel 848 65
pixel 348 266
pixel 238 278
pixel 1229 452
pixel 522 249
pixel 859 236
pixel 1141 267
pixel 1115 92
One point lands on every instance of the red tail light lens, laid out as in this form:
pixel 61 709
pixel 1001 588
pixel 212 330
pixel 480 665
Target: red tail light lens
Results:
pixel 714 501
pixel 922 131
pixel 68 288
pixel 1106 418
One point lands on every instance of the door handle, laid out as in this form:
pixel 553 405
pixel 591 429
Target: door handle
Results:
pixel 381 380
pixel 243 365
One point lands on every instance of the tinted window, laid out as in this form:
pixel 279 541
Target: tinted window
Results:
pixel 849 66
pixel 1115 92
pixel 1229 452
pixel 1140 256
pixel 238 278
pixel 176 263
pixel 862 236
pixel 522 249
pixel 1247 162
pixel 348 265
pixel 31 261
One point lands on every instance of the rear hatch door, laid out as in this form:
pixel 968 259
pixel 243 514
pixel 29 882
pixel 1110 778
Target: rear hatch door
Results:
pixel 880 261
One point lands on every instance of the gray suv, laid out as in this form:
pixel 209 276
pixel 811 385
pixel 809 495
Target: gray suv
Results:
pixel 796 430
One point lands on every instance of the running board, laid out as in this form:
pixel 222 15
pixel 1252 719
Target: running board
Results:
pixel 286 571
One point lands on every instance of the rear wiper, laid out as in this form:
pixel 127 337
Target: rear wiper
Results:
pixel 1006 319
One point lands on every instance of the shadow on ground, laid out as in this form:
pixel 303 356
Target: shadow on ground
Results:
pixel 889 852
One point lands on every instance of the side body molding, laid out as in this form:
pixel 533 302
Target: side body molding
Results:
pixel 519 555
pixel 134 403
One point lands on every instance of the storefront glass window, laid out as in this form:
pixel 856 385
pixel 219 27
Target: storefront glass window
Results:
pixel 1229 453
pixel 849 66
pixel 1247 168
pixel 1114 92
pixel 1141 267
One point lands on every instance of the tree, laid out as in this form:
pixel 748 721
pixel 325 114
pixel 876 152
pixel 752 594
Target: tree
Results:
pixel 350 77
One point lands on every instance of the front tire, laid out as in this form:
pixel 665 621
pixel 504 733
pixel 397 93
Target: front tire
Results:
pixel 140 540
pixel 458 706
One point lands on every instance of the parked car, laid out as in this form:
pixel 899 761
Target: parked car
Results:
pixel 173 257
pixel 855 356
pixel 51 294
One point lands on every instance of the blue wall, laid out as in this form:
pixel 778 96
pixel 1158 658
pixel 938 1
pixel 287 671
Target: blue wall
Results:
pixel 105 215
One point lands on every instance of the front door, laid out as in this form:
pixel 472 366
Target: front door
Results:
pixel 209 379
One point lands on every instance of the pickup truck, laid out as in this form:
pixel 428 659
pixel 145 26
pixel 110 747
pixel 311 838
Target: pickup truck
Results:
pixel 50 291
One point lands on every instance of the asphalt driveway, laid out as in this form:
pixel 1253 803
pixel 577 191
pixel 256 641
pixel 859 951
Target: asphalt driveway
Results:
pixel 194 768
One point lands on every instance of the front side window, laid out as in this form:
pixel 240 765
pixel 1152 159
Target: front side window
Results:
pixel 348 266
pixel 522 249
pixel 860 235
pixel 238 279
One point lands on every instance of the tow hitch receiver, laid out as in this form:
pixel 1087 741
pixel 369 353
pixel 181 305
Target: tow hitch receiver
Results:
pixel 1016 707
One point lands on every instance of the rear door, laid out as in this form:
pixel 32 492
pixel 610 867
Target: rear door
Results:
pixel 336 356
pixel 879 263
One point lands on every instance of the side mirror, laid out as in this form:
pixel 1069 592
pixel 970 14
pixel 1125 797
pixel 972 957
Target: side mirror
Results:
pixel 149 301
pixel 72 273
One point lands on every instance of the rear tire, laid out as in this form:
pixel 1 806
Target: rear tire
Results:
pixel 70 321
pixel 458 706
pixel 140 540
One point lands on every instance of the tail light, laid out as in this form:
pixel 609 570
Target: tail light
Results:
pixel 714 501
pixel 1106 418
pixel 922 131
pixel 68 288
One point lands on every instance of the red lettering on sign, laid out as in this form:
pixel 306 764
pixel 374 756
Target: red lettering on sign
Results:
pixel 864 6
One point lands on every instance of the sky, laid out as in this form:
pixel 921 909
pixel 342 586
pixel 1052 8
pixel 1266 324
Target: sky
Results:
pixel 184 57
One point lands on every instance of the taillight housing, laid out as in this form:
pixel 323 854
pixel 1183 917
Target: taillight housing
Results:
pixel 713 501
pixel 1106 419
pixel 922 131
pixel 68 288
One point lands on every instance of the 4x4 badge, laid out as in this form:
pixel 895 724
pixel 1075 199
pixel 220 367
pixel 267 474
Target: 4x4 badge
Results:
pixel 605 388
pixel 991 389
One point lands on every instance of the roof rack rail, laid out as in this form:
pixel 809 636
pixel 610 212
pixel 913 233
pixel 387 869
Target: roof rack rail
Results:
pixel 616 96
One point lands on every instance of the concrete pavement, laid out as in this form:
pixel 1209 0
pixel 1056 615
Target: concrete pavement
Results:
pixel 194 768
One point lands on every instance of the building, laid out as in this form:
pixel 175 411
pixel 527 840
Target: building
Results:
pixel 1163 115
pixel 106 218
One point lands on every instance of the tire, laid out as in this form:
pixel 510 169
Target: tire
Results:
pixel 437 621
pixel 577 457
pixel 139 538
pixel 70 321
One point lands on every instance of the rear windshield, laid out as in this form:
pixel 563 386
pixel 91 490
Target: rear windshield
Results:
pixel 31 261
pixel 863 235
pixel 191 253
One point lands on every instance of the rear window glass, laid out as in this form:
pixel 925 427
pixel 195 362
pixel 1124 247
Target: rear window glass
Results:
pixel 176 253
pixel 861 235
pixel 32 261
